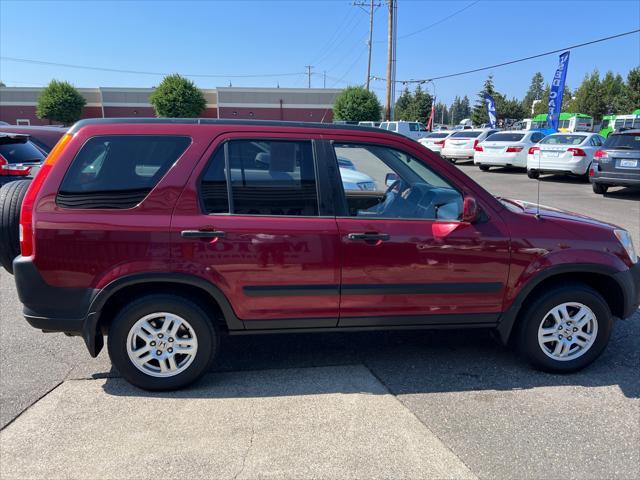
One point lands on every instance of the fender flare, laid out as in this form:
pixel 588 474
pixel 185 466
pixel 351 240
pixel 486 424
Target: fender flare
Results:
pixel 94 339
pixel 508 318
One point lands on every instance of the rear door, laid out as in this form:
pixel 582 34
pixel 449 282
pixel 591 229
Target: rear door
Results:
pixel 251 221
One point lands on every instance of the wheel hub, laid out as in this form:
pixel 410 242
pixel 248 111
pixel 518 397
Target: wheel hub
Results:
pixel 567 331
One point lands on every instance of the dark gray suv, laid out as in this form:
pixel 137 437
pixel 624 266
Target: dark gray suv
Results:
pixel 617 163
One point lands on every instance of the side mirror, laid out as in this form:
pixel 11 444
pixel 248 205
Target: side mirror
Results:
pixel 470 210
pixel 390 179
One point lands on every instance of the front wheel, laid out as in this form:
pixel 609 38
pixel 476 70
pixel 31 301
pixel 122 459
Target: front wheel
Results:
pixel 484 168
pixel 533 174
pixel 162 342
pixel 566 329
pixel 599 188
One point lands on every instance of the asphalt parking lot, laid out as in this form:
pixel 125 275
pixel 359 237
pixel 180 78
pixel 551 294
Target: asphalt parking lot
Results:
pixel 368 405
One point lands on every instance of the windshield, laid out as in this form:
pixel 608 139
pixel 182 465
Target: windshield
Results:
pixel 18 151
pixel 626 141
pixel 563 140
pixel 466 134
pixel 505 137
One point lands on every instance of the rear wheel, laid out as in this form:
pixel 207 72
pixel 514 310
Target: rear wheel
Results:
pixel 453 160
pixel 11 197
pixel 162 342
pixel 484 168
pixel 565 329
pixel 599 188
pixel 533 174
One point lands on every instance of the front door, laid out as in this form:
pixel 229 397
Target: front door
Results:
pixel 250 222
pixel 407 258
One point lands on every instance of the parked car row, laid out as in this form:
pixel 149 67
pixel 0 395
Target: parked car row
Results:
pixel 614 161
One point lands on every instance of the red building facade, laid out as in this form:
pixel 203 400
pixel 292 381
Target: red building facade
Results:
pixel 18 104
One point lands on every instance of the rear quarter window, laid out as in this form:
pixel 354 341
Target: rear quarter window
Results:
pixel 625 141
pixel 118 171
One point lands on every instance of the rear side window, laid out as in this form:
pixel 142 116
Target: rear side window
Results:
pixel 19 151
pixel 118 171
pixel 467 134
pixel 625 141
pixel 505 137
pixel 266 178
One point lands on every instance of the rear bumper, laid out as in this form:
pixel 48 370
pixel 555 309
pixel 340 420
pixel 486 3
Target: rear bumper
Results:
pixel 577 167
pixel 457 152
pixel 54 309
pixel 616 178
pixel 507 159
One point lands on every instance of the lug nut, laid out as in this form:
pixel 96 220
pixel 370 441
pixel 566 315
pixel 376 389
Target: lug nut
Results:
pixel 153 344
pixel 160 335
pixel 170 350
pixel 575 329
pixel 559 327
pixel 569 338
pixel 171 339
pixel 158 352
pixel 560 337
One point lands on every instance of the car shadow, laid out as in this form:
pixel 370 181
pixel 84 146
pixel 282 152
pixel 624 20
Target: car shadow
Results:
pixel 406 362
pixel 508 170
pixel 623 193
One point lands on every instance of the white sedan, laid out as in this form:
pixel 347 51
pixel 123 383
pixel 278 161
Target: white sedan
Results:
pixel 563 153
pixel 462 144
pixel 506 149
pixel 435 140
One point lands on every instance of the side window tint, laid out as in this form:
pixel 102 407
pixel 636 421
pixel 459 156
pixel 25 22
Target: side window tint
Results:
pixel 118 171
pixel 387 183
pixel 267 178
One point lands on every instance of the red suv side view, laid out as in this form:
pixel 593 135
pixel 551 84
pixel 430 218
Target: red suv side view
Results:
pixel 165 234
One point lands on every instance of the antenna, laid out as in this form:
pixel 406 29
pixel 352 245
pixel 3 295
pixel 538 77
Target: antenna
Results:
pixel 538 180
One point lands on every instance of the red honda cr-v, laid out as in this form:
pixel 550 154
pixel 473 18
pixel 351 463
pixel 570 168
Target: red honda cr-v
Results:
pixel 165 234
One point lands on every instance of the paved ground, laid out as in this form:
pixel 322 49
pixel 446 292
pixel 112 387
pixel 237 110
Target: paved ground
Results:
pixel 403 404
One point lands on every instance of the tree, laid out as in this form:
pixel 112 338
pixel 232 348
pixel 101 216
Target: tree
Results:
pixel 177 97
pixel 512 109
pixel 479 113
pixel 613 91
pixel 422 104
pixel 357 104
pixel 60 102
pixel 535 92
pixel 465 108
pixel 543 105
pixel 631 99
pixel 589 97
pixel 441 114
pixel 403 104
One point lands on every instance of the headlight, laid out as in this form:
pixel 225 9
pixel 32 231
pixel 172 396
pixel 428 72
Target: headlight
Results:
pixel 368 186
pixel 625 239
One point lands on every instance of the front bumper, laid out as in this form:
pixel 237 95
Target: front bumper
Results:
pixel 629 281
pixel 55 309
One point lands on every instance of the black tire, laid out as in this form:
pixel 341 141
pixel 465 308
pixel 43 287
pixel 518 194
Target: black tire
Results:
pixel 484 168
pixel 11 197
pixel 599 188
pixel 534 315
pixel 203 327
pixel 533 174
pixel 453 160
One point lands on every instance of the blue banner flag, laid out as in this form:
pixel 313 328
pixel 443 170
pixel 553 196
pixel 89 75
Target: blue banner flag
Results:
pixel 557 91
pixel 491 109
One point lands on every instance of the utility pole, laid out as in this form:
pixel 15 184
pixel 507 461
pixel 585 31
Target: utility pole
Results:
pixel 324 79
pixel 372 5
pixel 390 47
pixel 309 67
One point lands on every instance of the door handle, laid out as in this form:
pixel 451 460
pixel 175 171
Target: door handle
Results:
pixel 202 234
pixel 369 237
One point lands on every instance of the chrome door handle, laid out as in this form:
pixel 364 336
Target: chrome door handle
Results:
pixel 369 237
pixel 202 234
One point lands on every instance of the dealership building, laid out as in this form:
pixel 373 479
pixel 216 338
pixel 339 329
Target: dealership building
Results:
pixel 18 104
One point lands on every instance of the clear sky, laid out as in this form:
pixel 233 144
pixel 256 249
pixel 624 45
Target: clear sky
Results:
pixel 263 37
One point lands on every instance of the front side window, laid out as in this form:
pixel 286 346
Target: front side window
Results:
pixel 118 171
pixel 266 178
pixel 388 183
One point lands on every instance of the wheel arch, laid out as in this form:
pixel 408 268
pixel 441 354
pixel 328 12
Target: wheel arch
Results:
pixel 109 299
pixel 599 277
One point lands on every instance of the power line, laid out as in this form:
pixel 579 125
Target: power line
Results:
pixel 439 21
pixel 139 72
pixel 511 62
